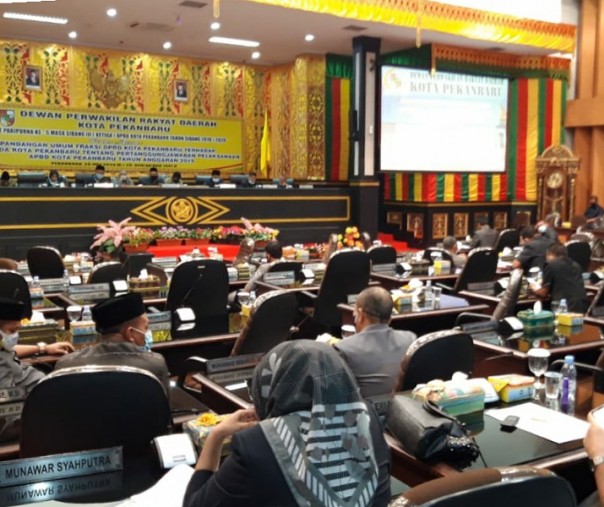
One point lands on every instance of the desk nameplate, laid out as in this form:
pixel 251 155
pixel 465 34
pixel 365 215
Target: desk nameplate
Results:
pixel 11 409
pixel 60 466
pixel 92 287
pixel 12 394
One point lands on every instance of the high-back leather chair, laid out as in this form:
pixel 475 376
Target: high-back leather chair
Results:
pixel 436 355
pixel 106 272
pixel 382 254
pixel 347 273
pixel 580 252
pixel 480 268
pixel 270 323
pixel 596 307
pixel 14 286
pixel 45 262
pixel 508 238
pixel 92 407
pixel 520 486
pixel 202 285
pixel 444 255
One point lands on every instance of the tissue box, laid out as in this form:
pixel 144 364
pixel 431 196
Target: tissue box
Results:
pixel 570 319
pixel 199 429
pixel 531 320
pixel 146 287
pixel 420 267
pixel 456 397
pixel 442 267
pixel 512 387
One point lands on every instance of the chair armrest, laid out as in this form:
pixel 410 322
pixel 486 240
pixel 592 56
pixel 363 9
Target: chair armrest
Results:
pixel 446 288
pixel 466 317
pixel 193 363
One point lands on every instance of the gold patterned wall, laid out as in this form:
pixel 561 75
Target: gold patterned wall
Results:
pixel 99 80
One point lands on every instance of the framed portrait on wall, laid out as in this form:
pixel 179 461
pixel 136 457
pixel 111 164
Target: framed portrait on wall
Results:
pixel 415 224
pixel 481 216
pixel 460 225
pixel 181 90
pixel 32 78
pixel 394 218
pixel 500 220
pixel 439 225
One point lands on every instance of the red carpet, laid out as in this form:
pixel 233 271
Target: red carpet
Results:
pixel 388 239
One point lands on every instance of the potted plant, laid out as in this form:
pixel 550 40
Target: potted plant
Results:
pixel 137 239
pixel 260 234
pixel 229 235
pixel 169 236
pixel 111 238
pixel 199 236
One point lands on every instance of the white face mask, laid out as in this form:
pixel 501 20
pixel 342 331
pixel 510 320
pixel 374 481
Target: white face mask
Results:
pixel 9 340
pixel 148 339
pixel 216 180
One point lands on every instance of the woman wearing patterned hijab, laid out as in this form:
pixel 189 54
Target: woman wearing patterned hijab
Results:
pixel 317 442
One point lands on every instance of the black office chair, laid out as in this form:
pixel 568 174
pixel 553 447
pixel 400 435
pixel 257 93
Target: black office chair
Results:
pixel 382 254
pixel 347 274
pixel 478 274
pixel 84 179
pixel 509 238
pixel 506 306
pixel 520 486
pixel 14 286
pixel 238 179
pixel 106 272
pixel 287 266
pixel 31 178
pixel 436 355
pixel 134 263
pixel 45 262
pixel 92 407
pixel 202 285
pixel 270 323
pixel 596 307
pixel 444 255
pixel 580 252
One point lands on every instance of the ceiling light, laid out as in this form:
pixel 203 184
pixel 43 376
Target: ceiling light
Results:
pixel 112 12
pixel 256 55
pixel 167 44
pixel 215 25
pixel 31 17
pixel 309 37
pixel 73 35
pixel 234 42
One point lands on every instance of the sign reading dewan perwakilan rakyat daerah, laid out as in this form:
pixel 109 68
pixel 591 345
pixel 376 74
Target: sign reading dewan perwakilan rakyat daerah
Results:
pixel 60 466
pixel 44 138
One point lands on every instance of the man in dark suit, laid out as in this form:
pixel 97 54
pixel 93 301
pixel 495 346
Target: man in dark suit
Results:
pixel 533 251
pixel 215 179
pixel 375 353
pixel 181 91
pixel 250 182
pixel 125 339
pixel 32 79
pixel 484 235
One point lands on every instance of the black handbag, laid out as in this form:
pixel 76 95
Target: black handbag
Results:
pixel 429 433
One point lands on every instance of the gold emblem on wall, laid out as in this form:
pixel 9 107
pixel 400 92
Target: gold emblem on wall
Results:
pixel 182 211
pixel 108 88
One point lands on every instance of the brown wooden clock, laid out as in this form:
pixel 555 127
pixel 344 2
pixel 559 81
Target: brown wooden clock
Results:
pixel 556 172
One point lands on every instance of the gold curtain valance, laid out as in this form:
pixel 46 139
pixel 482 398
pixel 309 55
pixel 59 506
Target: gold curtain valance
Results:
pixel 451 19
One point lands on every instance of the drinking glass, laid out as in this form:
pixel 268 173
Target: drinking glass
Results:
pixel 347 330
pixel 553 381
pixel 243 298
pixel 537 363
pixel 74 312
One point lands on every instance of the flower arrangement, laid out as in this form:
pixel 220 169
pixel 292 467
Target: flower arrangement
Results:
pixel 171 233
pixel 233 232
pixel 112 235
pixel 257 232
pixel 200 233
pixel 350 239
pixel 137 236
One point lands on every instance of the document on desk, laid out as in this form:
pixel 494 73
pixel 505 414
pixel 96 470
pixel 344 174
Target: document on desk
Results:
pixel 168 492
pixel 543 422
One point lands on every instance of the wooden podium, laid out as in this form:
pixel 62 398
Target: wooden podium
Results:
pixel 557 169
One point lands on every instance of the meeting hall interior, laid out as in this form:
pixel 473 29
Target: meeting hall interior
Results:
pixel 302 253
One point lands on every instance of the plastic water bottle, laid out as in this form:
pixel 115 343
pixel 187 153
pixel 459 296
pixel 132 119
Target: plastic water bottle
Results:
pixel 428 296
pixel 65 281
pixel 35 284
pixel 563 307
pixel 569 386
pixel 252 298
pixel 86 314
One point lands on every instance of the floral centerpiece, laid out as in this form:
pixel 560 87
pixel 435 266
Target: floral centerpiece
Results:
pixel 232 234
pixel 111 237
pixel 171 235
pixel 350 239
pixel 257 232
pixel 199 236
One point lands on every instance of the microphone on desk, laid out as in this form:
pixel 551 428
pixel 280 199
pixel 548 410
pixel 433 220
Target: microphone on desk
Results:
pixel 184 317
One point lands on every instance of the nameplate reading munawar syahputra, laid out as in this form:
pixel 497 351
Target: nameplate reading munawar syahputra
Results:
pixel 58 466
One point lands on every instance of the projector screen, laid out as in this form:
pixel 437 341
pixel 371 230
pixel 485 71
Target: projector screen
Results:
pixel 442 123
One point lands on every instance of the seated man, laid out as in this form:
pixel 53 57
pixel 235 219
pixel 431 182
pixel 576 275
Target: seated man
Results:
pixel 99 175
pixel 533 251
pixel 12 372
pixel 547 227
pixel 250 182
pixel 274 252
pixel 154 178
pixel 562 279
pixel 215 179
pixel 484 235
pixel 125 339
pixel 594 211
pixel 375 353
pixel 450 245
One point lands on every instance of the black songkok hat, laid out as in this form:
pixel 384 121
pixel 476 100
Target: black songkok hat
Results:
pixel 112 312
pixel 11 309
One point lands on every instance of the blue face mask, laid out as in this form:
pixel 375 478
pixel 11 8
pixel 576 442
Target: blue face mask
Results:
pixel 9 340
pixel 98 176
pixel 148 339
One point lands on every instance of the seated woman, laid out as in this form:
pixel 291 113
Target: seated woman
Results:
pixel 317 442
pixel 56 180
